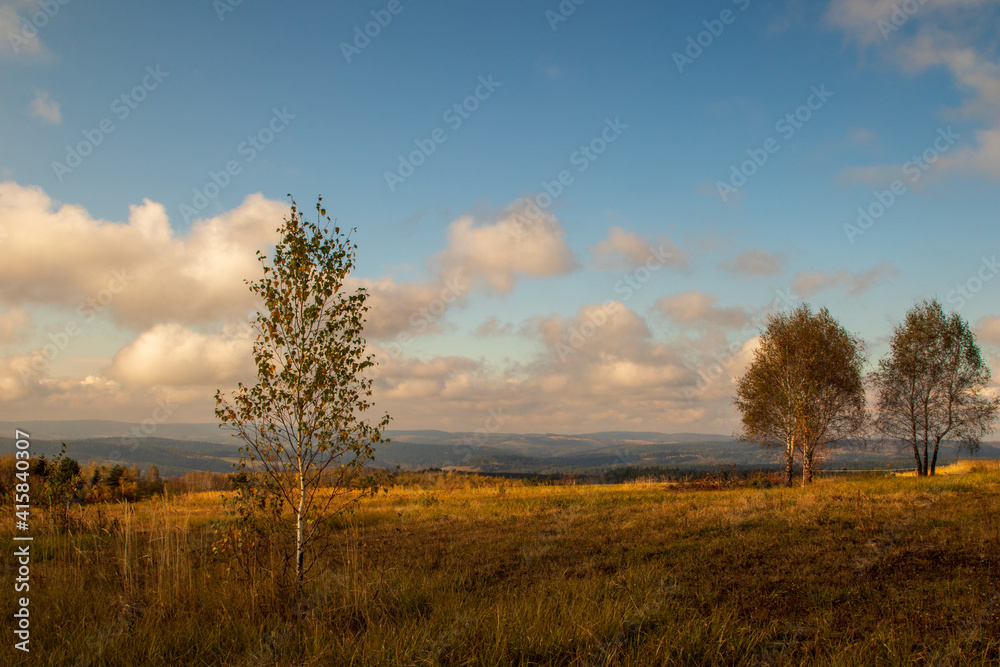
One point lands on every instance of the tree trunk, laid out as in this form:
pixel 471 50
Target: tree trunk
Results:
pixel 916 455
pixel 937 445
pixel 299 551
pixel 807 468
pixel 789 460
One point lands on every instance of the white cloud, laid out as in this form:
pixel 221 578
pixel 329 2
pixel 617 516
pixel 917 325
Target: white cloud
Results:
pixel 756 262
pixel 522 242
pixel 15 323
pixel 600 369
pixel 139 271
pixel 46 108
pixel 938 34
pixel 875 21
pixel 17 379
pixel 492 327
pixel 413 308
pixel 15 40
pixel 174 355
pixel 623 250
pixel 810 282
pixel 988 331
pixel 698 308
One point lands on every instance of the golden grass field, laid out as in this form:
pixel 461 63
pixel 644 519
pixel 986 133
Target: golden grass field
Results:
pixel 857 571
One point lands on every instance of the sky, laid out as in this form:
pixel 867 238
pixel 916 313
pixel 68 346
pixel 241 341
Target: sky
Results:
pixel 570 216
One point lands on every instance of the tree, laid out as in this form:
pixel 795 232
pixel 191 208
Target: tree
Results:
pixel 804 388
pixel 302 424
pixel 931 386
pixel 153 483
pixel 60 487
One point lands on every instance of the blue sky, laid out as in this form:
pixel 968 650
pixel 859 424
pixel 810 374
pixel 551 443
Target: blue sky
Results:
pixel 291 100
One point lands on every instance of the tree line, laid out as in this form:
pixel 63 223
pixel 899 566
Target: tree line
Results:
pixel 807 388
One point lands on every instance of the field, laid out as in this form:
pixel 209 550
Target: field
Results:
pixel 857 571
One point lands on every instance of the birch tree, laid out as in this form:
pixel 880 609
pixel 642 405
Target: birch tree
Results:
pixel 305 438
pixel 804 389
pixel 932 385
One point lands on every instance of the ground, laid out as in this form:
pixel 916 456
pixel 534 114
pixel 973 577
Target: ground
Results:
pixel 451 571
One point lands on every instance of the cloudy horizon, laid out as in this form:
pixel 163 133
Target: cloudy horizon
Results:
pixel 576 238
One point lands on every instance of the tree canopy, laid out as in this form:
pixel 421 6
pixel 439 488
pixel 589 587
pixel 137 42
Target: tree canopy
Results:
pixel 931 386
pixel 804 388
pixel 306 438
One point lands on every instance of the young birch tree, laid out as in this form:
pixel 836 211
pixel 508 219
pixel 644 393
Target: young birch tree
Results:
pixel 804 388
pixel 932 385
pixel 305 439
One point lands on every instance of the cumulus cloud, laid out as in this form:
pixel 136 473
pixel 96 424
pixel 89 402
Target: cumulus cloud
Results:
pixel 18 379
pixel 698 308
pixel 597 370
pixel 492 327
pixel 752 263
pixel 16 40
pixel 46 108
pixel 988 331
pixel 623 251
pixel 939 34
pixel 139 271
pixel 412 308
pixel 15 323
pixel 32 394
pixel 523 241
pixel 870 22
pixel 810 282
pixel 175 355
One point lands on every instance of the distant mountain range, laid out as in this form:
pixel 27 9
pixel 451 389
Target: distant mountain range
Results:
pixel 180 448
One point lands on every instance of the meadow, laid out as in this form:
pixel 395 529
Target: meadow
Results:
pixel 459 570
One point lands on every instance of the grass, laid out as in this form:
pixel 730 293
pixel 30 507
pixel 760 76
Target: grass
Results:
pixel 859 571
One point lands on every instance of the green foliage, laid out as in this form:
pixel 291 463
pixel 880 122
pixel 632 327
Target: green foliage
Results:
pixel 305 438
pixel 804 388
pixel 931 385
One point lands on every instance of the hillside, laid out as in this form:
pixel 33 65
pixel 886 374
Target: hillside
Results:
pixel 180 448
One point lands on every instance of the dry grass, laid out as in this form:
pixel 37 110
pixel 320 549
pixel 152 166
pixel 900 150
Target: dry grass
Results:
pixel 850 572
pixel 961 467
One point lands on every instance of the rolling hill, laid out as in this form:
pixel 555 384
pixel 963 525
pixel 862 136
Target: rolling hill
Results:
pixel 180 448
